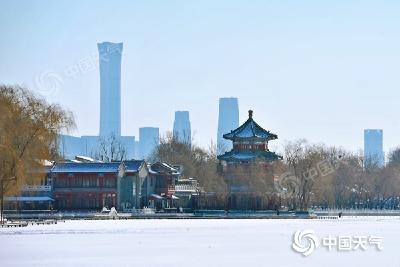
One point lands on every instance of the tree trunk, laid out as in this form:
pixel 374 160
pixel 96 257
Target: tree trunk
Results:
pixel 2 202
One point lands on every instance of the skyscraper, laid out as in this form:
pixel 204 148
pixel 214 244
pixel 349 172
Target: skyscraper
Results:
pixel 110 88
pixel 182 129
pixel 228 120
pixel 148 140
pixel 110 112
pixel 373 147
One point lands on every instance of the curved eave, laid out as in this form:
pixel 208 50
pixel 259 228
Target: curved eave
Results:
pixel 267 135
pixel 254 138
pixel 248 155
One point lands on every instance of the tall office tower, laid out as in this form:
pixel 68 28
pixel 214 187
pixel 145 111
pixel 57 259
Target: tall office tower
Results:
pixel 228 120
pixel 110 111
pixel 182 129
pixel 373 147
pixel 149 138
pixel 110 88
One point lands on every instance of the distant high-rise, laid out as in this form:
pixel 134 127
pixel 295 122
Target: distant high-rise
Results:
pixel 228 120
pixel 373 147
pixel 110 88
pixel 110 112
pixel 148 140
pixel 182 130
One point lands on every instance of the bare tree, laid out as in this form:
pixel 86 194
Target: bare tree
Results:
pixel 110 149
pixel 312 168
pixel 197 162
pixel 394 157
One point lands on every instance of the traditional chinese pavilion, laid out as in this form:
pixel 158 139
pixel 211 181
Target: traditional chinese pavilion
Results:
pixel 250 153
pixel 250 143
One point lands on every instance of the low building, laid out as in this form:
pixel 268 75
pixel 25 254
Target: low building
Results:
pixel 85 186
pixel 186 190
pixel 36 196
pixel 88 185
pixel 94 185
pixel 162 177
pixel 134 186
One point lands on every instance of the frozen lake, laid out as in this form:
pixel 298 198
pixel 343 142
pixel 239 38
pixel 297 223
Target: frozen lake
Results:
pixel 194 243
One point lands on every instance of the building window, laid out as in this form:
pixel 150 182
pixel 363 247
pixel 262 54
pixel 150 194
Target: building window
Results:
pixel 85 182
pixel 109 182
pixel 93 182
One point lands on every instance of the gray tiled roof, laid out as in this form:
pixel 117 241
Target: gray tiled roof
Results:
pixel 98 167
pixel 250 130
pixel 72 167
pixel 133 165
pixel 248 155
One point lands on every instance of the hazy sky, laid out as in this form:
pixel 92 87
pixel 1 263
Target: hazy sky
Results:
pixel 309 69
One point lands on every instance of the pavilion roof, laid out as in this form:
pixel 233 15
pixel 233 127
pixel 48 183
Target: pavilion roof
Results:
pixel 249 155
pixel 250 130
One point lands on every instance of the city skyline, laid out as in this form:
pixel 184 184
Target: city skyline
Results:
pixel 327 84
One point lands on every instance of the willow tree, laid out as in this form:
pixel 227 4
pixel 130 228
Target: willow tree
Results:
pixel 29 127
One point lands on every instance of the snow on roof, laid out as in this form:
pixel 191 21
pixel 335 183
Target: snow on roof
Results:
pixel 152 172
pixel 48 163
pixel 249 155
pixel 160 167
pixel 31 199
pixel 133 165
pixel 169 167
pixel 155 196
pixel 86 167
pixel 84 159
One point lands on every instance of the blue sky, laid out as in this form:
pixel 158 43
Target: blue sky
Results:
pixel 318 70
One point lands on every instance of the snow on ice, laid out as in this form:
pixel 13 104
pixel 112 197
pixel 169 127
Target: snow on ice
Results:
pixel 194 243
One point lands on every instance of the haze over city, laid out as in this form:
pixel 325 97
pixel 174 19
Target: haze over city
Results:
pixel 320 71
pixel 199 133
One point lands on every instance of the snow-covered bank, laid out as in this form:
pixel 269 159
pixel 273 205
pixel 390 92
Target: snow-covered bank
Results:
pixel 193 243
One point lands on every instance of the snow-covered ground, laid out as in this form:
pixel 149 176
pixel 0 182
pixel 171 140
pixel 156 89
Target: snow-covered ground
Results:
pixel 194 243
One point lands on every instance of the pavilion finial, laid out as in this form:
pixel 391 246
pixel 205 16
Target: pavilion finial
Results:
pixel 250 114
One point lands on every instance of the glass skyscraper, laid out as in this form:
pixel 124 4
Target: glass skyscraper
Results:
pixel 373 147
pixel 182 129
pixel 110 55
pixel 148 140
pixel 110 88
pixel 228 120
